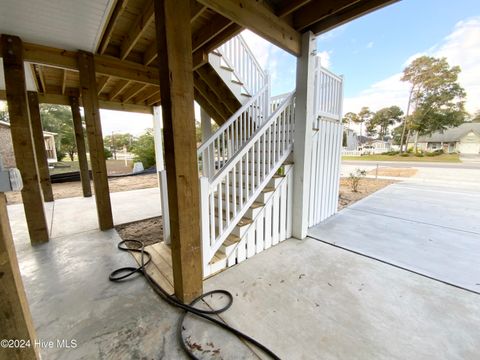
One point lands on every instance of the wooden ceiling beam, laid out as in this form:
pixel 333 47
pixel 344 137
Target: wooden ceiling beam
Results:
pixel 231 31
pixel 64 81
pixel 143 21
pixel 133 91
pixel 117 90
pixel 59 99
pixel 102 84
pixel 322 16
pixel 214 27
pixel 196 9
pixel 104 64
pixel 107 34
pixel 257 17
pixel 42 79
pixel 318 10
pixel 290 7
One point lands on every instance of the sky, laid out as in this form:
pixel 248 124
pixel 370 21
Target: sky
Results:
pixel 371 53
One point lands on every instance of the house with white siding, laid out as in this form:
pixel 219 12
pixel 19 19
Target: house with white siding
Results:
pixel 464 139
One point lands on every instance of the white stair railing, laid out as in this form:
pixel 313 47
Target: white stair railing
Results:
pixel 276 101
pixel 232 135
pixel 328 94
pixel 228 195
pixel 238 56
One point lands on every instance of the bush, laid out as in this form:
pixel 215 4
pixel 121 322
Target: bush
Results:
pixel 60 154
pixel 107 152
pixel 404 155
pixel 144 149
pixel 419 154
pixel 439 152
pixel 391 153
pixel 431 154
pixel 355 178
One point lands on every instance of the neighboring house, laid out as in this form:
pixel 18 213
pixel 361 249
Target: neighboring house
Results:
pixel 464 139
pixel 376 147
pixel 351 138
pixel 6 145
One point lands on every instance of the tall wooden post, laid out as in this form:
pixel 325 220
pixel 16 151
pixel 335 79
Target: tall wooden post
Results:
pixel 81 148
pixel 14 312
pixel 89 92
pixel 172 21
pixel 12 53
pixel 39 143
pixel 303 135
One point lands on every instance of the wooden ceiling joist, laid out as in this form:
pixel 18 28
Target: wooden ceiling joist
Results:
pixel 257 17
pixel 107 34
pixel 348 14
pixel 291 6
pixel 141 23
pixel 104 64
pixel 317 11
pixel 196 9
pixel 133 91
pixel 117 90
pixel 64 81
pixel 42 79
pixel 102 84
pixel 214 27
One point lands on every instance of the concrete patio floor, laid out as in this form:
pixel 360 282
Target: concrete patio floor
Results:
pixel 433 230
pixel 310 300
pixel 303 299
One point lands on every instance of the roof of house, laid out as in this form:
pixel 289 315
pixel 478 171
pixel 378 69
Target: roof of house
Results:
pixel 45 133
pixel 451 134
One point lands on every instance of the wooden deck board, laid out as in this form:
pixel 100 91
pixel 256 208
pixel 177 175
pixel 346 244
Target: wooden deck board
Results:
pixel 160 269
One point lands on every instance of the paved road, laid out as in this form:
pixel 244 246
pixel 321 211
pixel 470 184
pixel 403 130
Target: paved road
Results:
pixel 430 229
pixel 409 164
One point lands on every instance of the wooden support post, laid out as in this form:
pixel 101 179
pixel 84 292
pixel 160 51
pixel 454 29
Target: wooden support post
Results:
pixel 303 135
pixel 12 53
pixel 89 92
pixel 172 21
pixel 81 148
pixel 39 143
pixel 14 312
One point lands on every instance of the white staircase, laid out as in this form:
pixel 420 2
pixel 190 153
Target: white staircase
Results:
pixel 245 166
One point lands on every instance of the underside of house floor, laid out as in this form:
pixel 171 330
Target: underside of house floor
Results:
pixel 302 299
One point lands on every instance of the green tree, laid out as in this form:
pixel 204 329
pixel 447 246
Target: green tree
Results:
pixel 383 120
pixel 116 142
pixel 4 112
pixel 349 118
pixel 144 149
pixel 58 119
pixel 364 117
pixel 436 99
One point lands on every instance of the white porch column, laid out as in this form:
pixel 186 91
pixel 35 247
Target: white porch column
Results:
pixel 303 135
pixel 162 174
pixel 206 123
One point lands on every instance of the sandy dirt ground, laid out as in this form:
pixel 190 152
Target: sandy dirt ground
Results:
pixel 74 189
pixel 149 231
pixel 366 187
pixel 397 172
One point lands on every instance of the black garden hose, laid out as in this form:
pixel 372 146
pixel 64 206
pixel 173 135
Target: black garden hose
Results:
pixel 125 272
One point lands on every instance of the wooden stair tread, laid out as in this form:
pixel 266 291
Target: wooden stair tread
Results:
pixel 227 68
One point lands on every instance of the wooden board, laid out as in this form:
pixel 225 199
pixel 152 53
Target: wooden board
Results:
pixel 13 65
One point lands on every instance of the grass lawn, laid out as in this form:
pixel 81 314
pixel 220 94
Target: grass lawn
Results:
pixel 450 158
pixel 113 167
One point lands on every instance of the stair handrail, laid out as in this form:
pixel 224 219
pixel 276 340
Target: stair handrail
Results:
pixel 247 146
pixel 280 144
pixel 218 148
pixel 238 56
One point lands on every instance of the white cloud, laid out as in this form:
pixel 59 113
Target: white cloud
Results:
pixel 324 58
pixel 461 47
pixel 370 45
pixel 263 51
